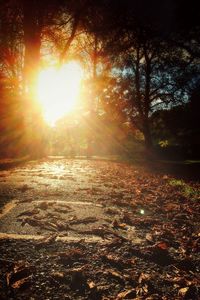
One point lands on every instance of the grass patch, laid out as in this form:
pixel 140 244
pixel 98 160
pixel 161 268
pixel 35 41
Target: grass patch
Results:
pixel 187 190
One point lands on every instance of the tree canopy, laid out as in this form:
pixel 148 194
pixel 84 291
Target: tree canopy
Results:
pixel 138 56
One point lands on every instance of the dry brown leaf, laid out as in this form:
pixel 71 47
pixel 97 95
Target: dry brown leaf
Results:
pixel 84 220
pixel 91 284
pixel 129 294
pixel 143 277
pixel 112 258
pixel 46 240
pixel 115 274
pixel 162 245
pixel 57 274
pixel 19 276
pixel 29 212
pixel 22 283
pixel 149 237
pixel 183 291
pixel 140 291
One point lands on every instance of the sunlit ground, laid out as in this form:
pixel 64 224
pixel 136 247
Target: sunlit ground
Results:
pixel 59 90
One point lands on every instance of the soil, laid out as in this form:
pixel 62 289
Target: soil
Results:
pixel 88 229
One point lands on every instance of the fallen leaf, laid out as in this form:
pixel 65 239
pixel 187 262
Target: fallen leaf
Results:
pixel 112 259
pixel 91 284
pixel 29 213
pixel 57 274
pixel 183 291
pixel 84 220
pixel 144 277
pixel 22 283
pixel 19 276
pixel 46 240
pixel 130 294
pixel 115 274
pixel 140 291
pixel 162 245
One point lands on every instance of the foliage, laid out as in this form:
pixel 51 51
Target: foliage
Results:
pixel 12 138
pixel 139 59
pixel 179 125
pixel 156 71
pixel 186 190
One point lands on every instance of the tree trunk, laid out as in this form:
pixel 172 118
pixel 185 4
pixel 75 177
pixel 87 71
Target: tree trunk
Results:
pixel 147 135
pixel 32 24
pixel 146 127
pixel 71 37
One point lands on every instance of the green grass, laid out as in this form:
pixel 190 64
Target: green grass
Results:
pixel 179 162
pixel 192 161
pixel 187 190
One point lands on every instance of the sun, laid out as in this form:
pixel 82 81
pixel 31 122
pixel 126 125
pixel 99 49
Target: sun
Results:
pixel 58 90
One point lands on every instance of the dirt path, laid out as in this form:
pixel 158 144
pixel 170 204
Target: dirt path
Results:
pixel 80 229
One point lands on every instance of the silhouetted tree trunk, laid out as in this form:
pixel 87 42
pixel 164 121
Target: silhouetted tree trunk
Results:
pixel 32 25
pixel 142 101
pixel 33 17
pixel 74 28
pixel 147 135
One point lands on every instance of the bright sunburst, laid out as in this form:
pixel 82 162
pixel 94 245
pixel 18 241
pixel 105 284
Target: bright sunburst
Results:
pixel 58 90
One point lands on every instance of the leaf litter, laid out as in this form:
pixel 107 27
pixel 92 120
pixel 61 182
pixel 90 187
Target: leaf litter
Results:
pixel 163 264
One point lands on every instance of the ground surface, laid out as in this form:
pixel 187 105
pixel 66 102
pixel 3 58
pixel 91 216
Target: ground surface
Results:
pixel 83 229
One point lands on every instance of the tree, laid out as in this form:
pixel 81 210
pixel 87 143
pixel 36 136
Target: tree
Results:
pixel 150 71
pixel 39 19
pixel 11 50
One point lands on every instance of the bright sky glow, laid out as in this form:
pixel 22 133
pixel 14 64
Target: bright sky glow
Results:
pixel 58 90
